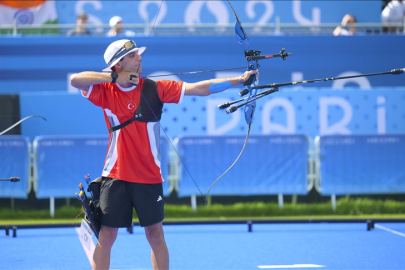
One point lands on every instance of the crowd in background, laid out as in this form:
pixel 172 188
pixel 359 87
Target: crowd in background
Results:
pixel 393 12
pixel 116 23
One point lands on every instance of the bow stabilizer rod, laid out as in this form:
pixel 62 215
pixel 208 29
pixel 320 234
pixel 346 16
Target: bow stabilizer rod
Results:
pixel 11 179
pixel 393 72
pixel 275 86
pixel 227 104
pixel 260 95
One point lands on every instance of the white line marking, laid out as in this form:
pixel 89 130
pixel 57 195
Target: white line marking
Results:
pixel 290 266
pixel 389 230
pixel 90 252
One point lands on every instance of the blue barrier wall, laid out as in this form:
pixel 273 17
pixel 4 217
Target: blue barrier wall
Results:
pixel 62 162
pixel 268 165
pixel 44 63
pixel 312 111
pixel 362 164
pixel 15 162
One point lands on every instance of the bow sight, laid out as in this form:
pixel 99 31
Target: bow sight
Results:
pixel 255 55
pixel 252 55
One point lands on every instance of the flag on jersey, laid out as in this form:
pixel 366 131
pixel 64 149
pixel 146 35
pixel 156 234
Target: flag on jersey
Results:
pixel 27 12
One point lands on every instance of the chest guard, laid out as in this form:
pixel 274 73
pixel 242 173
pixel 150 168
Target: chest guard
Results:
pixel 149 108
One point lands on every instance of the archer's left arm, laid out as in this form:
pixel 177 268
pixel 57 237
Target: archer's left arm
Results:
pixel 208 87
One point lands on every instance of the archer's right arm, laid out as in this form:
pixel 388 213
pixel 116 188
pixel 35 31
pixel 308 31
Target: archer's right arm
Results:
pixel 86 79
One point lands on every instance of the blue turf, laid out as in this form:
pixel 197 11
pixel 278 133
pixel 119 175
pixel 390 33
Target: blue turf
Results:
pixel 42 249
pixel 336 246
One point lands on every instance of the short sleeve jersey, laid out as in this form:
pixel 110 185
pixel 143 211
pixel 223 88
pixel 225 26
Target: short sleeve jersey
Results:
pixel 133 153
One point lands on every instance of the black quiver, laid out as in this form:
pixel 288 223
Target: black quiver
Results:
pixel 92 206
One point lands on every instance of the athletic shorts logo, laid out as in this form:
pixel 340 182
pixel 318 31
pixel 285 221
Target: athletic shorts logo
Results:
pixel 159 199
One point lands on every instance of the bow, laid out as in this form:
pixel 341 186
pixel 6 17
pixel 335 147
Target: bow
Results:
pixel 252 57
pixel 19 122
pixel 252 87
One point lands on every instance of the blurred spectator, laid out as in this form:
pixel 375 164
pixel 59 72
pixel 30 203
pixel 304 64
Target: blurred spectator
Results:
pixel 81 21
pixel 116 24
pixel 341 31
pixel 394 12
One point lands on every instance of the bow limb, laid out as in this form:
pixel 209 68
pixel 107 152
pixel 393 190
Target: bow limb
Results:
pixel 240 154
pixel 19 122
pixel 243 40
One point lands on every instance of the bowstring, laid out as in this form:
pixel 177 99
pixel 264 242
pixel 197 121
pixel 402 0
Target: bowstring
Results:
pixel 250 124
pixel 158 121
pixel 171 143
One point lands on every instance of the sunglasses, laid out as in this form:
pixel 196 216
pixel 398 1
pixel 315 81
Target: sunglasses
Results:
pixel 126 47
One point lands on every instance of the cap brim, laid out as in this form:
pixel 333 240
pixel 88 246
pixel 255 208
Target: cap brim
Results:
pixel 139 50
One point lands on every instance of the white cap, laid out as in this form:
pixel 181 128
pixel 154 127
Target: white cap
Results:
pixel 116 50
pixel 114 20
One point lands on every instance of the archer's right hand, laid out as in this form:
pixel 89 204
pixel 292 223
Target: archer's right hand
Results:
pixel 128 78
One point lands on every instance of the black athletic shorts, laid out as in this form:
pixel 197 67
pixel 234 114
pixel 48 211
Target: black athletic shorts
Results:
pixel 118 198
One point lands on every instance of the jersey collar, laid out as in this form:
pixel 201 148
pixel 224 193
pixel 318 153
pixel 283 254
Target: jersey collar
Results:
pixel 125 89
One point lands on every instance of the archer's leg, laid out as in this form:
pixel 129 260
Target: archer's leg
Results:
pixel 101 256
pixel 160 254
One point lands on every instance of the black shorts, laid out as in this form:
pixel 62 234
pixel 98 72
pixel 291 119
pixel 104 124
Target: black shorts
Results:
pixel 118 198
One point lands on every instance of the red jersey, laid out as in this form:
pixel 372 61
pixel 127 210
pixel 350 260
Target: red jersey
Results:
pixel 134 151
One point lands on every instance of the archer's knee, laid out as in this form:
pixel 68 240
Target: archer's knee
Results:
pixel 154 234
pixel 107 236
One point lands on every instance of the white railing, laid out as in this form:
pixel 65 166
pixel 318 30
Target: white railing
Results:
pixel 205 29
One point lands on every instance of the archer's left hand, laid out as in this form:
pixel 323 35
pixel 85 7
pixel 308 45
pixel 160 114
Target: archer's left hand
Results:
pixel 249 73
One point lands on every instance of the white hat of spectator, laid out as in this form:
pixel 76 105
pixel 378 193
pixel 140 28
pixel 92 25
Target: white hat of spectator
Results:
pixel 114 20
pixel 118 49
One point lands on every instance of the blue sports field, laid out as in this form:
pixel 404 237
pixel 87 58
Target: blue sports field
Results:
pixel 230 246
